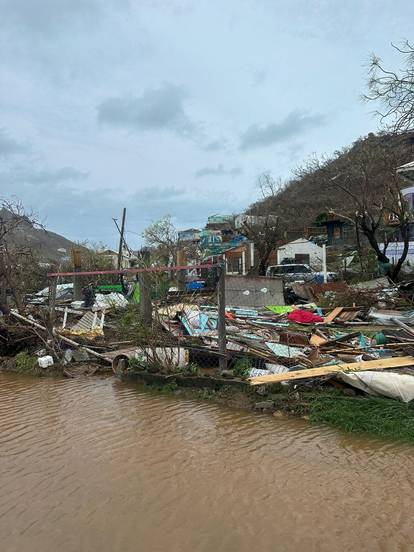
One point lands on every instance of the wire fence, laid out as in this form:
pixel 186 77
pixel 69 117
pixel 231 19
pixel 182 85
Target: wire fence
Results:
pixel 175 320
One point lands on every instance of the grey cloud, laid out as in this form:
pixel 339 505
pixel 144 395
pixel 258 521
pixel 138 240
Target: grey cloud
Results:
pixel 215 145
pixel 294 124
pixel 23 175
pixel 59 175
pixel 49 16
pixel 219 170
pixel 259 75
pixel 159 108
pixel 59 206
pixel 9 146
pixel 162 194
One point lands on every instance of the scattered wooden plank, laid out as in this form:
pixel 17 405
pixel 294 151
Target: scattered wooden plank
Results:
pixel 316 340
pixel 330 317
pixel 395 362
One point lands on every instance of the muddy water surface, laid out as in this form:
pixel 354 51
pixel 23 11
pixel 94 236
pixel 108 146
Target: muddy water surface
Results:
pixel 100 465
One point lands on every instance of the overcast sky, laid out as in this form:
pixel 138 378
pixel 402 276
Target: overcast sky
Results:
pixel 176 107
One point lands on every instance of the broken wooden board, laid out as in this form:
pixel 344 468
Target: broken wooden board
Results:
pixel 333 314
pixel 317 341
pixel 395 362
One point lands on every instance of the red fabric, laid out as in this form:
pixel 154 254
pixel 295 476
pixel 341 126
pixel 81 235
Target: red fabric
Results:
pixel 304 317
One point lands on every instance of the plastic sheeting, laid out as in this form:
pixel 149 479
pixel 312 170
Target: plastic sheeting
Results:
pixel 63 291
pixel 386 316
pixel 111 300
pixel 387 384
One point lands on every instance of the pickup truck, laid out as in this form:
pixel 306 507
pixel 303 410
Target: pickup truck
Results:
pixel 298 272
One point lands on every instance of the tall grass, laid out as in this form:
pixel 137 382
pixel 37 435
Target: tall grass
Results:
pixel 381 417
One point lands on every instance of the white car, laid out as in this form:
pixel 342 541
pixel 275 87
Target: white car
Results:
pixel 298 272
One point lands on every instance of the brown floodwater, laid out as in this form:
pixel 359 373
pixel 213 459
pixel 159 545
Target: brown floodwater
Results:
pixel 101 465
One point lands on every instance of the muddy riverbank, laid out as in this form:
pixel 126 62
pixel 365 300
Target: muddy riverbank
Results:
pixel 388 419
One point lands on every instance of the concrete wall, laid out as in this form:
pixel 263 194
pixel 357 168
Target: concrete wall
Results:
pixel 253 292
pixel 394 251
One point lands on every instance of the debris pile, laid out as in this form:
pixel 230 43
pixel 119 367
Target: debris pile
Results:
pixel 318 341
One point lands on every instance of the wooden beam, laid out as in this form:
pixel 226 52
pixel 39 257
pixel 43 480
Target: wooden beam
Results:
pixel 317 341
pixel 333 314
pixel 395 362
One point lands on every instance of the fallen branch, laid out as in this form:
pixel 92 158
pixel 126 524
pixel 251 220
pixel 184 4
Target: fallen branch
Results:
pixel 58 335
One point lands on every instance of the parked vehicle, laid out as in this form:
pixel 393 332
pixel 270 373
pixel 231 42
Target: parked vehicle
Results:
pixel 298 272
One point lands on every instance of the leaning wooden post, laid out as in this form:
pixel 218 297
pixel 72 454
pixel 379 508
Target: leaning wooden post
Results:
pixel 221 300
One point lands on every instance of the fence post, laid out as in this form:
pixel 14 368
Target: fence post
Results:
pixel 77 267
pixel 145 303
pixel 325 270
pixel 221 300
pixel 52 303
pixel 181 261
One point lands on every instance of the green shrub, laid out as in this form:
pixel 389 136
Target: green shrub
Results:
pixel 25 363
pixel 192 369
pixel 242 367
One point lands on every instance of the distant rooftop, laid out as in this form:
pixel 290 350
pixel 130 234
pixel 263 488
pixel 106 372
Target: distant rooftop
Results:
pixel 407 170
pixel 219 219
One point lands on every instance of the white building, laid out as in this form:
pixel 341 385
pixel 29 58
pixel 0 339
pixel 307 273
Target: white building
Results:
pixel 302 251
pixel 395 249
pixel 129 259
pixel 407 170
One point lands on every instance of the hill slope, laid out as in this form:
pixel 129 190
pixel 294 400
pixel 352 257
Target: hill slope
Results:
pixel 314 189
pixel 48 245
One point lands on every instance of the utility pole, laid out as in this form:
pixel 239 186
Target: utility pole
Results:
pixel 119 232
pixel 121 239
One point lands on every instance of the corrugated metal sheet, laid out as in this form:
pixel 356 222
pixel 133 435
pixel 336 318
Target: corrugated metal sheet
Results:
pixel 253 291
pixel 85 323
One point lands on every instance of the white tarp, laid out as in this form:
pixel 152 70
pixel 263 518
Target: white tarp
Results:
pixel 388 384
pixel 110 300
pixel 60 289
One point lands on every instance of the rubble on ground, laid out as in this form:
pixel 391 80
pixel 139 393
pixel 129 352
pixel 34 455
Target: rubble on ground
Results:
pixel 360 336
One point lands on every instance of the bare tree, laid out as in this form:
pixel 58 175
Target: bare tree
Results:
pixel 265 226
pixel 370 188
pixel 20 269
pixel 162 237
pixel 91 257
pixel 394 90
